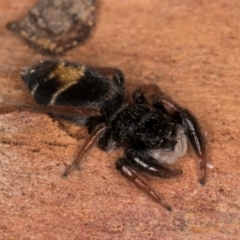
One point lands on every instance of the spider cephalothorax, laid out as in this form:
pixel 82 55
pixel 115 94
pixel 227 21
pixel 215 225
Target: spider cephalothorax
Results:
pixel 153 130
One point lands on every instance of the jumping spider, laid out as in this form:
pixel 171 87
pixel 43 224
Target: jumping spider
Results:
pixel 153 130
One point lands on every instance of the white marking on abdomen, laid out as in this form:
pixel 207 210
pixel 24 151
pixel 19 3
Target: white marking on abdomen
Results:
pixel 56 94
pixel 34 89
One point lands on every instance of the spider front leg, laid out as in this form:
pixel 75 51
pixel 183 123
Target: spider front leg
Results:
pixel 133 176
pixel 192 128
pixel 151 94
pixel 133 163
pixel 145 163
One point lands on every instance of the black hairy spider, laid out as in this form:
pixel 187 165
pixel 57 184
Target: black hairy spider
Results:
pixel 153 130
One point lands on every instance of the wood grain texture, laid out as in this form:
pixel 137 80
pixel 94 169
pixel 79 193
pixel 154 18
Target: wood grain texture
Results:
pixel 188 48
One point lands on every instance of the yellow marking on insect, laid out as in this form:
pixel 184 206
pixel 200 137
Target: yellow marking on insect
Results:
pixel 67 74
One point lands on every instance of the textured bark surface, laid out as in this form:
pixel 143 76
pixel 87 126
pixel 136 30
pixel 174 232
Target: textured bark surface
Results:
pixel 53 26
pixel 188 48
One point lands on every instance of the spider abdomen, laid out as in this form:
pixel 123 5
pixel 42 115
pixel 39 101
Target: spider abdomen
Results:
pixel 64 83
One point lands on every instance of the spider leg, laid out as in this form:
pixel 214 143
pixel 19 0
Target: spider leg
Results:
pixel 55 109
pixel 150 165
pixel 151 94
pixel 192 128
pixel 8 109
pixel 67 110
pixel 93 137
pixel 132 175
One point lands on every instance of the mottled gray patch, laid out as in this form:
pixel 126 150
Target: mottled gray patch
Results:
pixel 53 26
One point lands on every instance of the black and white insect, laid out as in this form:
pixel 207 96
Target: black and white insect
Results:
pixel 153 130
